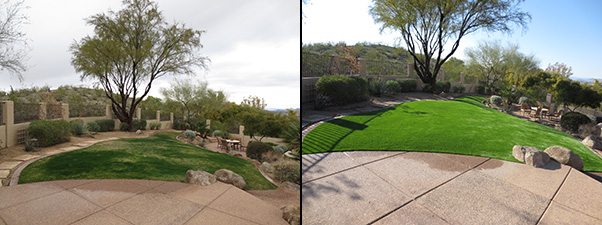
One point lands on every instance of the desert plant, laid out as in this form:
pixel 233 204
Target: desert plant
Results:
pixel 49 132
pixel 138 125
pixel 77 127
pixel 342 89
pixel 155 125
pixel 496 100
pixel 106 125
pixel 280 148
pixel 458 89
pixel 220 133
pixel 523 100
pixel 190 135
pixel 392 87
pixel 376 87
pixel 288 171
pixel 407 85
pixel 255 149
pixel 93 127
pixel 572 120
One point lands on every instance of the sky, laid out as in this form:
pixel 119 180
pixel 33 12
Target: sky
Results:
pixel 568 31
pixel 253 45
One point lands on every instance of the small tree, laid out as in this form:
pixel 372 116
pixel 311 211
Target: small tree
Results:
pixel 573 93
pixel 427 26
pixel 561 69
pixel 254 101
pixel 11 19
pixel 132 48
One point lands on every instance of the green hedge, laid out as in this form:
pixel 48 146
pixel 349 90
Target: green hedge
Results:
pixel 256 149
pixel 77 127
pixel 392 87
pixel 49 132
pixel 572 120
pixel 105 125
pixel 407 85
pixel 342 89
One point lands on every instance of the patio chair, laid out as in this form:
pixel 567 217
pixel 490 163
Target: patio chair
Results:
pixel 525 109
pixel 224 145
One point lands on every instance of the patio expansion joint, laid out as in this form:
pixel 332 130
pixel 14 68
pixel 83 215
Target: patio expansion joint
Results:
pixel 426 192
pixel 350 168
pixel 207 206
pixel 36 198
pixel 554 196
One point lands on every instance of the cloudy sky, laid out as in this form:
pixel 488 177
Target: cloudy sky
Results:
pixel 565 31
pixel 253 45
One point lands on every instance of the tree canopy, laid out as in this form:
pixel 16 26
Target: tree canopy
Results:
pixel 11 36
pixel 426 27
pixel 132 48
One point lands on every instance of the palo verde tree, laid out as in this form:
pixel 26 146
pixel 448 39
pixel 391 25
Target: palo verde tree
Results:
pixel 132 48
pixel 427 26
pixel 11 37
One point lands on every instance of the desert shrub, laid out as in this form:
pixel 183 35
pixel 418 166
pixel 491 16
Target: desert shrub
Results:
pixel 572 120
pixel 190 135
pixel 106 125
pixel 376 87
pixel 138 125
pixel 392 87
pixel 155 125
pixel 481 89
pixel 49 132
pixel 255 149
pixel 77 127
pixel 288 171
pixel 439 87
pixel 522 100
pixel 220 133
pixel 280 148
pixel 458 89
pixel 179 124
pixel 407 85
pixel 496 100
pixel 341 89
pixel 271 156
pixel 93 127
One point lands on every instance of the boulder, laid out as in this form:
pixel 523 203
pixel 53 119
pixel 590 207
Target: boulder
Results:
pixel 565 156
pixel 267 167
pixel 592 142
pixel 200 177
pixel 589 129
pixel 537 159
pixel 229 177
pixel 291 214
pixel 519 152
pixel 138 132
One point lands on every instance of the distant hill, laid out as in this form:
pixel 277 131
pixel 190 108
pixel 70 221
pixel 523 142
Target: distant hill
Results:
pixel 361 50
pixel 65 94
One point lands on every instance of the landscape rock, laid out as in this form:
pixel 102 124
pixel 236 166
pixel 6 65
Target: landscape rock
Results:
pixel 138 132
pixel 200 177
pixel 229 177
pixel 267 167
pixel 537 159
pixel 565 156
pixel 592 142
pixel 519 152
pixel 291 214
pixel 589 129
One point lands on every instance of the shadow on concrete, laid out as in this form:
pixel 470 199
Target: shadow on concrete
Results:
pixel 341 186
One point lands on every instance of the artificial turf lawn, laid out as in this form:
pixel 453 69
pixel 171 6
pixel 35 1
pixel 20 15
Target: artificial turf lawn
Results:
pixel 461 126
pixel 159 157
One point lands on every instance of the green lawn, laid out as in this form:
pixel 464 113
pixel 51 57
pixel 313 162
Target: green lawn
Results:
pixel 159 157
pixel 462 126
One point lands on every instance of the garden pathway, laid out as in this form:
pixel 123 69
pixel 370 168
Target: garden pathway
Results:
pixel 376 187
pixel 132 202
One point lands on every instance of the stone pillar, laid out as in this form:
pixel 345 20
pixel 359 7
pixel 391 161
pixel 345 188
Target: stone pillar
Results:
pixel 8 114
pixel 42 111
pixel 208 124
pixel 138 113
pixel 241 133
pixel 159 115
pixel 171 117
pixel 408 69
pixel 108 112
pixel 65 111
pixel 461 78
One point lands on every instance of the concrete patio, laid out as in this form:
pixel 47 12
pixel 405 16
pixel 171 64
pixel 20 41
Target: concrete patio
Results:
pixel 372 187
pixel 132 202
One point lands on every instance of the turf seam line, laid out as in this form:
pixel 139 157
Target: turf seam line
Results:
pixel 426 192
pixel 554 196
pixel 350 168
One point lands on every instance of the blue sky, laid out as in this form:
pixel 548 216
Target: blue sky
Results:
pixel 560 31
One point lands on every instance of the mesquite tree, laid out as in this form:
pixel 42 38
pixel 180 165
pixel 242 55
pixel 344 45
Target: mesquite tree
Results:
pixel 427 26
pixel 132 48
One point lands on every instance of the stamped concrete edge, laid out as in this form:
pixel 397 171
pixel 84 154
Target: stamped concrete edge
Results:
pixel 15 174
